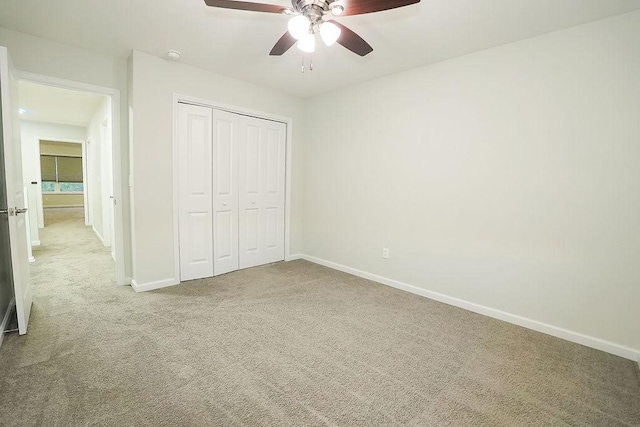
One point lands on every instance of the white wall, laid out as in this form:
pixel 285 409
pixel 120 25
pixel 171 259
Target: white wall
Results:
pixel 154 82
pixel 508 178
pixel 45 57
pixel 31 133
pixel 99 171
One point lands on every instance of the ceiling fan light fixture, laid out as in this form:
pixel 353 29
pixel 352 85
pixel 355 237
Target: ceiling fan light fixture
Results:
pixel 329 32
pixel 307 43
pixel 298 27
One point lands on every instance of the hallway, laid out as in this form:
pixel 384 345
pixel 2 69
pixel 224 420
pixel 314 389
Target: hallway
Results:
pixel 73 270
pixel 73 281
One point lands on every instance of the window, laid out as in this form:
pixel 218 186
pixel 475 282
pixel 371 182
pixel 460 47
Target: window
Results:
pixel 71 187
pixel 61 174
pixel 48 187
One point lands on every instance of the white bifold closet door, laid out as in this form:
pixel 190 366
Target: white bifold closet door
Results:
pixel 232 191
pixel 195 192
pixel 225 184
pixel 262 191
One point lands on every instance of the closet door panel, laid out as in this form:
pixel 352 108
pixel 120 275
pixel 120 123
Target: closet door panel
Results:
pixel 274 196
pixel 261 190
pixel 251 157
pixel 225 192
pixel 271 228
pixel 195 192
pixel 224 240
pixel 249 192
pixel 251 230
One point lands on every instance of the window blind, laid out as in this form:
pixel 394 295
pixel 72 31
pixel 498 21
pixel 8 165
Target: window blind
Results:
pixel 48 168
pixel 69 169
pixel 61 169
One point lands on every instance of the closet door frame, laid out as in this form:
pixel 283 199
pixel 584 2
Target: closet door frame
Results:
pixel 180 98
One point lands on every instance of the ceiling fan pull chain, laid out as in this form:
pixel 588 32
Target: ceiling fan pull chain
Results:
pixel 311 63
pixel 302 64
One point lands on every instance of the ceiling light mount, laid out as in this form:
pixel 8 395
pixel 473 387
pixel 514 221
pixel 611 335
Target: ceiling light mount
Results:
pixel 301 5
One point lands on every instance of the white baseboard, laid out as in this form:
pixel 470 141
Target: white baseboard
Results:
pixel 98 235
pixel 143 287
pixel 5 320
pixel 586 340
pixel 36 243
pixel 32 259
pixel 293 257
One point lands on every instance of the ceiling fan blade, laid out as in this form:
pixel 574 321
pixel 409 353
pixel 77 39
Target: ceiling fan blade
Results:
pixel 246 5
pixel 283 45
pixel 352 41
pixel 359 7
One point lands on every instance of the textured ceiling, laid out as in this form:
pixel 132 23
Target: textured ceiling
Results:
pixel 237 43
pixel 56 105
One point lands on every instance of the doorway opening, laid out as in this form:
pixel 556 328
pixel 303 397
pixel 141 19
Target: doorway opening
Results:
pixel 67 163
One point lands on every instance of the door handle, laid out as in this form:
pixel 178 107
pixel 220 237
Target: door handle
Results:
pixel 13 211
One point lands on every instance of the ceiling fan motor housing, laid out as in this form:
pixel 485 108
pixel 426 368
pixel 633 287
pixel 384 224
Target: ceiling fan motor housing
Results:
pixel 312 9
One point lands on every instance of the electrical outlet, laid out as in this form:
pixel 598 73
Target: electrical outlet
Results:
pixel 385 253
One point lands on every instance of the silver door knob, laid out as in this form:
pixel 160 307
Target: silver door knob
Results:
pixel 253 202
pixel 19 211
pixel 224 204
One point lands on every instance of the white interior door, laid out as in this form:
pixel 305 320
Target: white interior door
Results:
pixel 13 207
pixel 110 199
pixel 225 191
pixel 105 179
pixel 86 177
pixel 262 191
pixel 195 191
pixel 85 180
pixel 112 226
pixel 26 218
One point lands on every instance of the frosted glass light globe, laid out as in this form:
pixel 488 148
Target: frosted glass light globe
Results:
pixel 307 43
pixel 298 26
pixel 329 33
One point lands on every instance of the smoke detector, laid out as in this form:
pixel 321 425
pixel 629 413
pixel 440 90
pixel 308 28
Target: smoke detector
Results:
pixel 173 55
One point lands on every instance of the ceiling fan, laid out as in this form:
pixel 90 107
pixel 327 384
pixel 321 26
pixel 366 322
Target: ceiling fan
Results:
pixel 310 17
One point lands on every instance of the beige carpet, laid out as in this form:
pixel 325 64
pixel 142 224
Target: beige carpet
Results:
pixel 285 344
